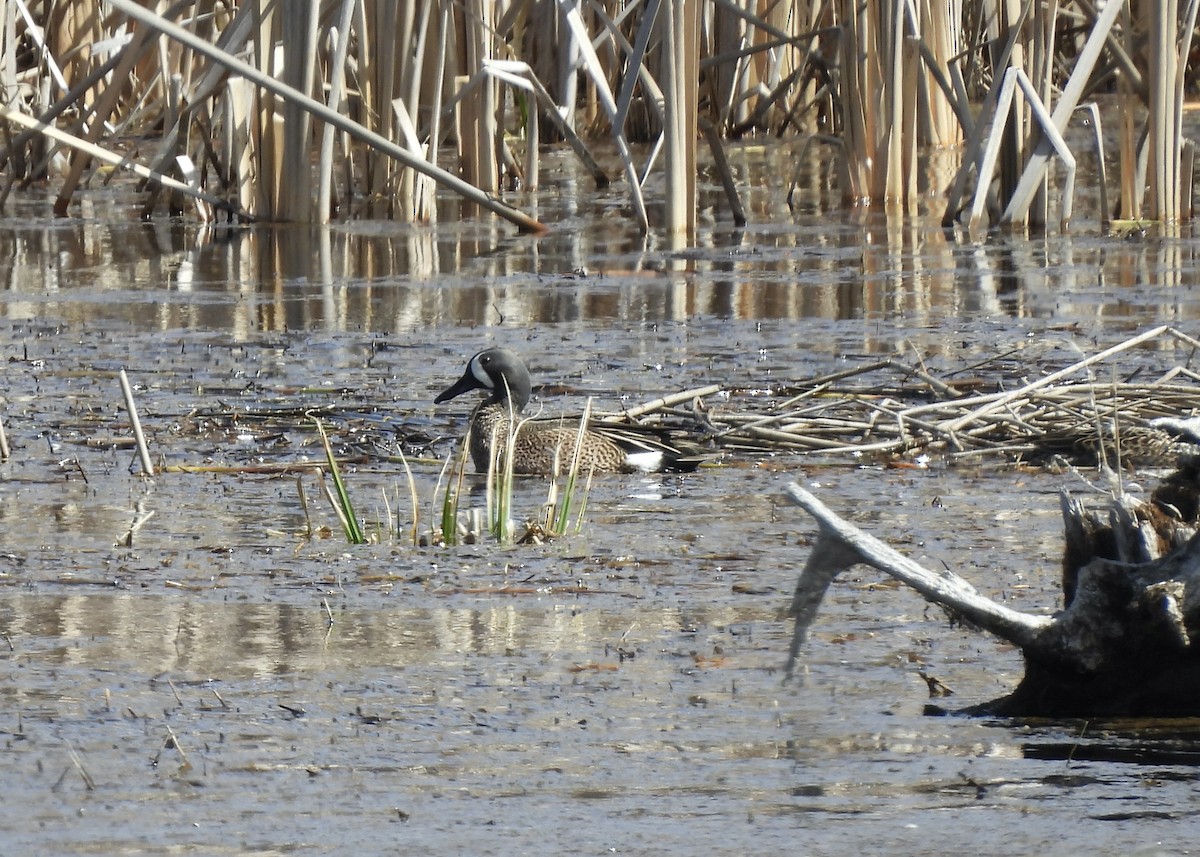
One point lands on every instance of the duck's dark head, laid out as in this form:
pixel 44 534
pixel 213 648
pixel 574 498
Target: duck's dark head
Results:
pixel 497 370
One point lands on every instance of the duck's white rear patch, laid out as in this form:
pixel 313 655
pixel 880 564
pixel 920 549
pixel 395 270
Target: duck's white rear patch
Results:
pixel 1184 429
pixel 650 461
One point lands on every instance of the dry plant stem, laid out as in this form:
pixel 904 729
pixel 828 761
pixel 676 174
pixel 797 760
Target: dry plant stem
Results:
pixel 299 42
pixel 852 372
pixel 523 221
pixel 282 467
pixel 924 425
pixel 1032 418
pixel 199 97
pixel 1035 168
pixel 131 408
pixel 63 104
pixel 1116 50
pixel 104 106
pixel 816 443
pixel 178 747
pixel 1006 115
pixel 937 385
pixel 681 50
pixel 521 76
pixel 102 154
pixel 674 399
pixel 990 403
pixel 975 141
pixel 595 69
pixel 88 782
pixel 1163 144
pixel 5 451
pixel 1185 184
pixel 1093 110
pixel 742 424
pixel 337 87
pixel 635 59
pixel 140 520
pixel 308 525
pixel 713 138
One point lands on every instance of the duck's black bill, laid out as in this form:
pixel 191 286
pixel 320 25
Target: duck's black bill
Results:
pixel 465 384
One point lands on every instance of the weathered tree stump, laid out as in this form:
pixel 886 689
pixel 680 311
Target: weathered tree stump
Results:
pixel 1122 645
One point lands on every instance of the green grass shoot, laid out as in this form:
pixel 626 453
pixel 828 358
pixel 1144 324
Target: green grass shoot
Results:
pixel 339 497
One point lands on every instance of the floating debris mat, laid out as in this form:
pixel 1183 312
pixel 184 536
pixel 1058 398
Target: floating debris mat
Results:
pixel 1121 406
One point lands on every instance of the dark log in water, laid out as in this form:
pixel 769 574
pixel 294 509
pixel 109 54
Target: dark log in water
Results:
pixel 1123 644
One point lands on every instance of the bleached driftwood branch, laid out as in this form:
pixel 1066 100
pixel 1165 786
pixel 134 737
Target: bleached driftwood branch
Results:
pixel 1123 643
pixel 841 545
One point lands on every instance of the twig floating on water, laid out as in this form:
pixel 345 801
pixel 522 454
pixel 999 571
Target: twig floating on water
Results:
pixel 673 399
pixel 78 763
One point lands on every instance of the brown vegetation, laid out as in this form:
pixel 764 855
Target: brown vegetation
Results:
pixel 220 101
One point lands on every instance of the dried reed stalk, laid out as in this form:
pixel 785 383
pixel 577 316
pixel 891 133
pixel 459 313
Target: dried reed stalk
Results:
pixel 136 422
pixel 477 127
pixel 321 111
pixel 889 75
pixel 340 37
pixel 1035 170
pixel 298 35
pixel 101 154
pixel 681 69
pixel 1131 196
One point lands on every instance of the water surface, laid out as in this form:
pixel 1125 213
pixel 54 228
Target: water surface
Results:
pixel 216 682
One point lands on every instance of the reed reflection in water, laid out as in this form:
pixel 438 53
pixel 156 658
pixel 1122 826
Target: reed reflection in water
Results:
pixel 594 266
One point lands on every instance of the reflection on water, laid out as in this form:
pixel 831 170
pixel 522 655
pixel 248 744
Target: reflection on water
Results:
pixel 453 723
pixel 237 641
pixel 593 266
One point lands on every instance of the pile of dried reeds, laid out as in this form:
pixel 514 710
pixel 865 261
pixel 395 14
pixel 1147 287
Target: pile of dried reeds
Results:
pixel 892 411
pixel 262 108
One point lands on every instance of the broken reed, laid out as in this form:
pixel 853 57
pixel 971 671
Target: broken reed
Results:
pixel 880 79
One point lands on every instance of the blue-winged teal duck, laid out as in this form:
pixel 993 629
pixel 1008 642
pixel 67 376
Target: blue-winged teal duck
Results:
pixel 606 447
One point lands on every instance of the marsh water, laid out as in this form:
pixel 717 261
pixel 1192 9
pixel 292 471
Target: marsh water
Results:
pixel 188 669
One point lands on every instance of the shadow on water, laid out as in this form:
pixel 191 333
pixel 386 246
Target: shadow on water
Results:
pixel 172 678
